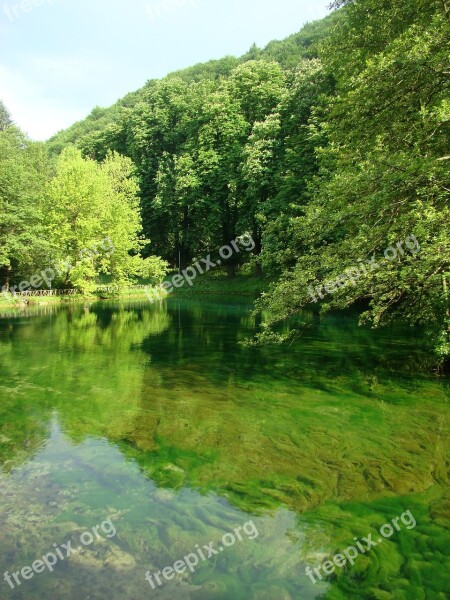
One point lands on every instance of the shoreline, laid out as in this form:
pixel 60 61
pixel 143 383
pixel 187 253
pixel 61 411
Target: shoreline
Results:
pixel 240 286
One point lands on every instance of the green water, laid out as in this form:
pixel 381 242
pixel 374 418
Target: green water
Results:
pixel 157 418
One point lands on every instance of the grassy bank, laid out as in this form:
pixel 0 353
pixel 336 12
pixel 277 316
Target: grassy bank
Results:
pixel 30 301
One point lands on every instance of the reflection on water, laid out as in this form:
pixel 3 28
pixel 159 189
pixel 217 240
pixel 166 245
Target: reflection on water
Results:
pixel 156 417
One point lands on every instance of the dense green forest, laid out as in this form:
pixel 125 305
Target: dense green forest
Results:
pixel 330 148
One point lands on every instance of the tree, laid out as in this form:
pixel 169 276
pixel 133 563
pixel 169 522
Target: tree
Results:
pixel 88 204
pixel 258 87
pixel 24 172
pixel 383 174
pixel 219 155
pixel 296 163
pixel 157 132
pixel 259 169
pixel 5 117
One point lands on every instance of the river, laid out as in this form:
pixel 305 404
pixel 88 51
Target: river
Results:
pixel 157 426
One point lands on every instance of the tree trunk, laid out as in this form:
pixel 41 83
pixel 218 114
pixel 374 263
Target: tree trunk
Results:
pixel 231 270
pixel 257 238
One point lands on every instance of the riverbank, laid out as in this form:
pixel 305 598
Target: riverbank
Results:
pixel 28 301
pixel 220 283
pixel 243 285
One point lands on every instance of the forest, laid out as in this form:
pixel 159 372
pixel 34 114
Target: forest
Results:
pixel 329 148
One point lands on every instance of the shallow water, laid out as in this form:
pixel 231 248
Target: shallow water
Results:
pixel 157 418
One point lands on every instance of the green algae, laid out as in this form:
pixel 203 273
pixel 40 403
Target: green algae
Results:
pixel 157 417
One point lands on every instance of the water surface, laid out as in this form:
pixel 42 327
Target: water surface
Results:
pixel 157 418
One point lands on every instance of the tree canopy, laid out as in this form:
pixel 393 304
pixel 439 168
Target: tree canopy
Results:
pixel 76 218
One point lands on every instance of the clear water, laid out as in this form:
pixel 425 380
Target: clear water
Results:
pixel 157 418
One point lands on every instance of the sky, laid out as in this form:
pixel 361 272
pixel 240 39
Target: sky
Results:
pixel 61 58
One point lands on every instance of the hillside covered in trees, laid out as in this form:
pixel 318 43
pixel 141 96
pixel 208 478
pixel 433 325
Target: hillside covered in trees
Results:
pixel 330 148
